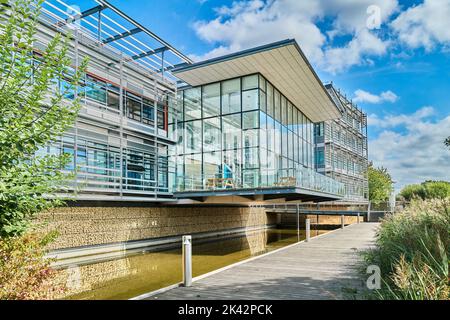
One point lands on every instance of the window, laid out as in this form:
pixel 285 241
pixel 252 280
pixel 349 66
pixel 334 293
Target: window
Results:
pixel 262 101
pixel 290 118
pixel 319 129
pixel 270 134
pixel 296 148
pixel 277 138
pixel 251 138
pixel 193 168
pixel 250 82
pixel 211 100
pixel 251 158
pixel 232 164
pixel 284 117
pixel 231 126
pixel 193 136
pixel 250 120
pixel 250 100
pixel 262 83
pixel 212 164
pixel 277 106
pixel 95 89
pixel 133 107
pixel 211 134
pixel 270 110
pixel 290 145
pixel 66 88
pixel 251 178
pixel 148 112
pixel 231 96
pixel 192 107
pixel 284 138
pixel 113 98
pixel 162 117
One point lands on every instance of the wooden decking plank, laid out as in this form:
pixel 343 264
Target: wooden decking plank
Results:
pixel 320 269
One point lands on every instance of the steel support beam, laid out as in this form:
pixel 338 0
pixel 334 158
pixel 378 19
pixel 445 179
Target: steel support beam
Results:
pixel 122 35
pixel 86 13
pixel 145 30
pixel 149 53
pixel 170 68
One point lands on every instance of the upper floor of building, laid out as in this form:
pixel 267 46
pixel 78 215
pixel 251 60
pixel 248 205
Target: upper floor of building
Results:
pixel 242 124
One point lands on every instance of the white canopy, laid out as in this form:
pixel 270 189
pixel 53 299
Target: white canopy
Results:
pixel 282 63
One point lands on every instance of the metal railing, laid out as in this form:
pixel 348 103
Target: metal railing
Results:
pixel 303 178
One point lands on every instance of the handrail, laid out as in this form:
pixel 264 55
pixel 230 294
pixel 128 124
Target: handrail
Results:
pixel 300 177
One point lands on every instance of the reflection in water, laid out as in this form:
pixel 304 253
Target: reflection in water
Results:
pixel 134 275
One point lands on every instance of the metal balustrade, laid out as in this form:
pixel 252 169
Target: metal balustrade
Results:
pixel 302 178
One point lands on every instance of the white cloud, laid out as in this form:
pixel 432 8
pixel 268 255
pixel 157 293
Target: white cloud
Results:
pixel 408 120
pixel 364 43
pixel 424 25
pixel 418 152
pixel 352 16
pixel 367 97
pixel 246 24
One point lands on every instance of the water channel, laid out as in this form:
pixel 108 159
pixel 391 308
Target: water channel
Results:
pixel 136 274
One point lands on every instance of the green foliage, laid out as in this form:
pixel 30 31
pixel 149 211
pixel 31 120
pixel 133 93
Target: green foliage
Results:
pixel 380 184
pixel 426 190
pixel 24 272
pixel 412 251
pixel 32 115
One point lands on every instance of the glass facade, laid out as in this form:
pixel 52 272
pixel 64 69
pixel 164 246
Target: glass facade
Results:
pixel 241 133
pixel 138 164
pixel 341 148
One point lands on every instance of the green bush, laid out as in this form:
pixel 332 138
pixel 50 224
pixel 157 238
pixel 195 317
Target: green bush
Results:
pixel 426 190
pixel 412 250
pixel 25 274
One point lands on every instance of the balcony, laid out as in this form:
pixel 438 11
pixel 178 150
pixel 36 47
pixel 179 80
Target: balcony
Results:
pixel 290 184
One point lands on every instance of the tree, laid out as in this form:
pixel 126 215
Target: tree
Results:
pixel 426 191
pixel 380 184
pixel 447 142
pixel 33 114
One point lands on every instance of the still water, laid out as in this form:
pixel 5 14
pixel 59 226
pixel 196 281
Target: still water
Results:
pixel 136 274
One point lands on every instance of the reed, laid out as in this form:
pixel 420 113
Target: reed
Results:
pixel 412 251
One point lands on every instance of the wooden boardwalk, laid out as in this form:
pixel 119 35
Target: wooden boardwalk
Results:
pixel 324 268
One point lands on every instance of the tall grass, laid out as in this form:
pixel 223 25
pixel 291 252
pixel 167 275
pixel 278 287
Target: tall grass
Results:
pixel 412 251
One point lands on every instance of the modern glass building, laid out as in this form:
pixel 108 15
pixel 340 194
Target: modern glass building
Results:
pixel 156 127
pixel 247 133
pixel 243 129
pixel 119 145
pixel 342 148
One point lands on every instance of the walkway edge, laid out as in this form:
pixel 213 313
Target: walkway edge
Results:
pixel 206 275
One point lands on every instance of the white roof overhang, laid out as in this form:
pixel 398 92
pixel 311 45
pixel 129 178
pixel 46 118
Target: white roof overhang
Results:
pixel 282 63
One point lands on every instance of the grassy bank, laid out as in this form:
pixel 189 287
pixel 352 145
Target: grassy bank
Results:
pixel 412 251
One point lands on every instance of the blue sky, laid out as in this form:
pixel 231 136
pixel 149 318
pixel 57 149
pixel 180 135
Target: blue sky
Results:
pixel 391 56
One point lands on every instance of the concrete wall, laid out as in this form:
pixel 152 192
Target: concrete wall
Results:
pixel 88 226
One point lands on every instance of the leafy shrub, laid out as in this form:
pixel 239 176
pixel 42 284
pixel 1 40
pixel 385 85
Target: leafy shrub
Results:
pixel 380 184
pixel 412 250
pixel 426 190
pixel 25 274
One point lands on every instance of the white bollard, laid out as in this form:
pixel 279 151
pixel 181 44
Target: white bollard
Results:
pixel 187 261
pixel 308 229
pixel 342 221
pixel 358 218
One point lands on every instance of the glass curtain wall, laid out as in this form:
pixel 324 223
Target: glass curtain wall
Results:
pixel 240 133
